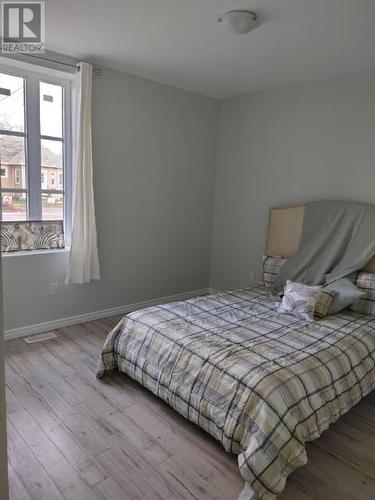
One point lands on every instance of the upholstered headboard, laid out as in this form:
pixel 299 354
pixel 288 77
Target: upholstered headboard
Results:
pixel 284 232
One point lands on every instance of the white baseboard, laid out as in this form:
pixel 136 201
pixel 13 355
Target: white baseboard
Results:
pixel 47 326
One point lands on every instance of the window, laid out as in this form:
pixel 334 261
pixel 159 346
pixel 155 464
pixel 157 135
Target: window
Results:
pixel 34 136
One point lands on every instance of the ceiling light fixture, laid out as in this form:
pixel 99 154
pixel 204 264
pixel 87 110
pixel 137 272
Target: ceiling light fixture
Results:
pixel 239 22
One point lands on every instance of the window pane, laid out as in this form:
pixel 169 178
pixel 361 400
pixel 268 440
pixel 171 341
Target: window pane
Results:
pixel 12 162
pixel 14 206
pixel 12 115
pixel 52 165
pixel 51 117
pixel 52 206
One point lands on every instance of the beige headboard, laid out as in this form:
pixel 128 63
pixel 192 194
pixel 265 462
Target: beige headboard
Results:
pixel 284 232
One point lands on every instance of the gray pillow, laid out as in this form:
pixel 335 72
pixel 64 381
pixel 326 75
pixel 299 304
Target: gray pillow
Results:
pixel 346 294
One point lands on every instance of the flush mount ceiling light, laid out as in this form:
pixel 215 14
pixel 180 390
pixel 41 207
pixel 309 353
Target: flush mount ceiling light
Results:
pixel 239 22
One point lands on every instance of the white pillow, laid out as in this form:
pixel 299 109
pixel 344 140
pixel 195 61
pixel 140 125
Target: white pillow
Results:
pixel 299 300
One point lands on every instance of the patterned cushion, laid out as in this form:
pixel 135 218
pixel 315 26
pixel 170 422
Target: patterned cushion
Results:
pixel 271 268
pixel 323 303
pixel 299 300
pixel 365 282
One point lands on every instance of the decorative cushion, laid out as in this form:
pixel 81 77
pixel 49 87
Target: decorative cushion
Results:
pixel 271 268
pixel 334 297
pixel 346 293
pixel 323 303
pixel 299 300
pixel 366 304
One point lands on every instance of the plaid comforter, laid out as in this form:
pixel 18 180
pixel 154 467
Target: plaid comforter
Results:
pixel 261 382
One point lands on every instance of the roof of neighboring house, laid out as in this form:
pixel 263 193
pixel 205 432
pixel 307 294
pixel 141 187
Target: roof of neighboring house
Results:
pixel 10 153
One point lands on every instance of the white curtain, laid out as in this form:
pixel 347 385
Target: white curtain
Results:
pixel 83 259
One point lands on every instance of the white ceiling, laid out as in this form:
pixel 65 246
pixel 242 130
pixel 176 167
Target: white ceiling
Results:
pixel 179 42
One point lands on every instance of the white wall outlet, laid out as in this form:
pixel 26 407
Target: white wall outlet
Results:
pixel 53 287
pixel 252 276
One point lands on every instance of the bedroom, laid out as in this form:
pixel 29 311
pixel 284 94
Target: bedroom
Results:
pixel 197 132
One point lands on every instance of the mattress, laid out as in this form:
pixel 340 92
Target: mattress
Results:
pixel 261 382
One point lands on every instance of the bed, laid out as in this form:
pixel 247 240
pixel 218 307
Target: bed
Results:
pixel 260 382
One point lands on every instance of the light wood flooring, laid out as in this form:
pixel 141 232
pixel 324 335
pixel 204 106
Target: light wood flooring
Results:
pixel 74 437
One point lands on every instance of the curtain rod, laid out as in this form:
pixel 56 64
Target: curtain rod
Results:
pixel 97 71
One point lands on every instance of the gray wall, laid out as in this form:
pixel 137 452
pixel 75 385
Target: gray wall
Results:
pixel 154 160
pixel 284 146
pixel 155 155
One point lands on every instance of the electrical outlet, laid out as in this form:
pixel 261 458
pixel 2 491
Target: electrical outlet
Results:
pixel 53 288
pixel 252 276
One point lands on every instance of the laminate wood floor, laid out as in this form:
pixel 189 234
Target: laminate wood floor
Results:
pixel 74 437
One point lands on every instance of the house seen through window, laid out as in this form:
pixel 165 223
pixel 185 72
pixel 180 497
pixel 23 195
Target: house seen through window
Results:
pixel 34 146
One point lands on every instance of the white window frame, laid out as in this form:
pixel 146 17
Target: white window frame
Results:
pixel 32 136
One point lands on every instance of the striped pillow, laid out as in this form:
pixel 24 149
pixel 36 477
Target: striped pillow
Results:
pixel 271 268
pixel 323 303
pixel 365 282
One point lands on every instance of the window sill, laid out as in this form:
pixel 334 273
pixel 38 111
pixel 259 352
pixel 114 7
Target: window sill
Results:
pixel 7 255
